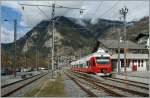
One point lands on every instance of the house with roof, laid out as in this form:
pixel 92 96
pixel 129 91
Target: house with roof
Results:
pixel 137 56
pixel 142 38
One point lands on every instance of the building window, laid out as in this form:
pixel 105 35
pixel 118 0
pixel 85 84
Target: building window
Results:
pixel 139 63
pixel 121 51
pixel 142 63
pixel 122 63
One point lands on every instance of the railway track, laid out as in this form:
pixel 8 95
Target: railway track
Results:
pixel 132 75
pixel 105 91
pixel 7 90
pixel 90 93
pixel 122 89
pixel 17 81
pixel 132 83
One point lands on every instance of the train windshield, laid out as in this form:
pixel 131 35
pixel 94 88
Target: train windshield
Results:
pixel 102 60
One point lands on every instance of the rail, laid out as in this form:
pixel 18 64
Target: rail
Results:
pixel 9 89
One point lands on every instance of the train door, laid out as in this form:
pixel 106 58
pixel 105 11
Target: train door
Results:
pixel 91 65
pixel 134 65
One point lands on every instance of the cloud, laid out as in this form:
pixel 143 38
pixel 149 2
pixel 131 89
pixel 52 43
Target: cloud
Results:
pixel 22 24
pixel 34 18
pixel 32 15
pixel 12 4
pixel 93 10
pixel 7 36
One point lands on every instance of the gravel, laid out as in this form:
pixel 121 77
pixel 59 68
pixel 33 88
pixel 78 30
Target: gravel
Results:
pixel 72 89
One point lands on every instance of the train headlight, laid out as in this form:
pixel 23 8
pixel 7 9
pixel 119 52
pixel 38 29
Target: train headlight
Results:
pixel 104 71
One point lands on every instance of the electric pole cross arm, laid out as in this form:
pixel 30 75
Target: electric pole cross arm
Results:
pixel 59 6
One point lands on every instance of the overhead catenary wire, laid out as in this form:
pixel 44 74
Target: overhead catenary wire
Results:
pixel 107 11
pixel 49 7
pixel 43 12
pixel 97 9
pixel 138 8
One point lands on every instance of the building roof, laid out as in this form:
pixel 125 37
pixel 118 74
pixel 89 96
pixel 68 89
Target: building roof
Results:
pixel 130 56
pixel 109 43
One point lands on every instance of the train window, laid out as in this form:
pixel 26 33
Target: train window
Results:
pixel 87 63
pixel 84 65
pixel 81 65
pixel 102 60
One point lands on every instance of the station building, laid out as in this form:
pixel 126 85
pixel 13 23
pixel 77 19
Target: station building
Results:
pixel 137 56
pixel 135 62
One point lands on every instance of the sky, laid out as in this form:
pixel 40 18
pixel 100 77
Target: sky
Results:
pixel 28 16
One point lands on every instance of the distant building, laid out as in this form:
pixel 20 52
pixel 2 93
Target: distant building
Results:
pixel 135 62
pixel 111 46
pixel 137 55
pixel 142 39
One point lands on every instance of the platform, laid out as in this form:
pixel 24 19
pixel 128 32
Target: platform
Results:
pixel 138 76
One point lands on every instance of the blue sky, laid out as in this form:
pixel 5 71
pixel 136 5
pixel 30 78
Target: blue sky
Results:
pixel 8 13
pixel 31 16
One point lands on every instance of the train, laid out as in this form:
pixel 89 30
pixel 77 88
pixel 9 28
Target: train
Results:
pixel 98 63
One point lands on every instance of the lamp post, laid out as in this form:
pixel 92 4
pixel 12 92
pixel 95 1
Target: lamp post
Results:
pixel 15 37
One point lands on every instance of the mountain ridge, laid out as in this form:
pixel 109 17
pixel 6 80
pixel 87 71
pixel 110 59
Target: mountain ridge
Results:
pixel 71 38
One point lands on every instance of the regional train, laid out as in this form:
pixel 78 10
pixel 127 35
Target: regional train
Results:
pixel 96 63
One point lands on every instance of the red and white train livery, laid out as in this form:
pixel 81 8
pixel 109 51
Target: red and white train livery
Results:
pixel 96 63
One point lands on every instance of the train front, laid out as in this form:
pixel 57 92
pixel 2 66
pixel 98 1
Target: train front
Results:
pixel 103 65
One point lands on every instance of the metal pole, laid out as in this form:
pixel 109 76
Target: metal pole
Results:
pixel 36 60
pixel 26 53
pixel 53 28
pixel 48 62
pixel 125 43
pixel 25 60
pixel 15 36
pixel 118 51
pixel 58 63
pixel 123 12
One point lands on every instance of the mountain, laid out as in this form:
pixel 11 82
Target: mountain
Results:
pixel 140 27
pixel 70 40
pixel 73 37
pixel 134 28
